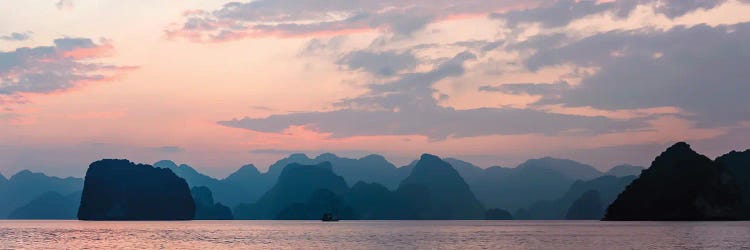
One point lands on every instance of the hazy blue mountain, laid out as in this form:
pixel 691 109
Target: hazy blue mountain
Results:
pixel 191 176
pixel 371 168
pixel 535 180
pixel 680 185
pixel 122 190
pixel 296 184
pixel 497 214
pixel 608 188
pixel 49 206
pixel 276 168
pixel 321 201
pixel 587 207
pixel 470 172
pixel 624 170
pixel 205 208
pixel 738 165
pixel 3 180
pixel 439 191
pixel 373 201
pixel 249 181
pixel 24 186
pixel 241 186
pixel 516 188
pixel 568 168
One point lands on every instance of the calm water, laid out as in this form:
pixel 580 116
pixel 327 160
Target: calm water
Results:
pixel 374 234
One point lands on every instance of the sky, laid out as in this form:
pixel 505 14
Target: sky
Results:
pixel 218 84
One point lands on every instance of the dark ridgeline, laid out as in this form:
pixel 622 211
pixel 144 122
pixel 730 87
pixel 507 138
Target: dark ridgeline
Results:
pixel 26 186
pixel 587 207
pixel 205 208
pixel 122 190
pixel 49 206
pixel 543 179
pixel 295 187
pixel 509 188
pixel 433 190
pixel 436 191
pixel 242 186
pixel 247 184
pixel 680 185
pixel 738 164
pixel 497 214
pixel 608 188
pixel 372 168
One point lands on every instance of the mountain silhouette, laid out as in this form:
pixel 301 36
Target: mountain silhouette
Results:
pixel 49 206
pixel 205 208
pixel 738 165
pixel 568 168
pixel 373 201
pixel 624 170
pixel 321 202
pixel 469 172
pixel 517 188
pixel 371 168
pixel 444 193
pixel 25 186
pixel 680 185
pixel 607 187
pixel 296 184
pixel 497 214
pixel 514 188
pixel 122 190
pixel 251 183
pixel 231 193
pixel 587 207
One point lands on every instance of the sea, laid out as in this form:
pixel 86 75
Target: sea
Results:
pixel 215 235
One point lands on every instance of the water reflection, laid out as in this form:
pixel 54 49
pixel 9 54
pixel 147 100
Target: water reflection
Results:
pixel 374 234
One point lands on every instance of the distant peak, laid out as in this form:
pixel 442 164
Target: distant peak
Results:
pixel 327 157
pixel 374 157
pixel 24 173
pixel 249 168
pixel 165 164
pixel 680 146
pixel 429 157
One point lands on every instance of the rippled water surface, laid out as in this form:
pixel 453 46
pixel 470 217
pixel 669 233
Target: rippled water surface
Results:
pixel 374 234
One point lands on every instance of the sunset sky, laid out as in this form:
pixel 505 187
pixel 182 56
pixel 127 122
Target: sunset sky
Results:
pixel 217 84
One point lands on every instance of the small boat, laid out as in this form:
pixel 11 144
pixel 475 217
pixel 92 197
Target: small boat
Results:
pixel 329 217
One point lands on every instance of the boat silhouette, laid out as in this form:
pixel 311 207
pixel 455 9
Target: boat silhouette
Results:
pixel 329 217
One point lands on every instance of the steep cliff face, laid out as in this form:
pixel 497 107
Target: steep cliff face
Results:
pixel 587 207
pixel 608 188
pixel 444 194
pixel 738 165
pixel 680 185
pixel 122 190
pixel 205 208
pixel 296 185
